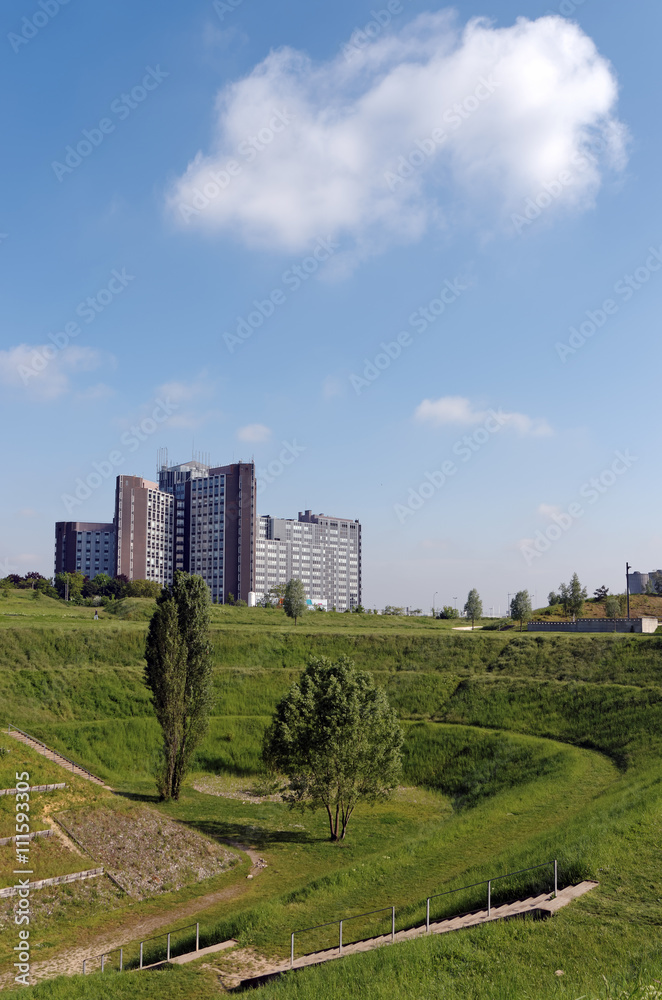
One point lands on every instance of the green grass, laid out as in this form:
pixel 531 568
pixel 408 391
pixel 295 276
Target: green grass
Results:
pixel 519 748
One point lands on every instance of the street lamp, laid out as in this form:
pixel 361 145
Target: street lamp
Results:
pixel 433 597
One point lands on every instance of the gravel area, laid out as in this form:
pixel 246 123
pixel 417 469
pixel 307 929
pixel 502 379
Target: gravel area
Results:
pixel 145 852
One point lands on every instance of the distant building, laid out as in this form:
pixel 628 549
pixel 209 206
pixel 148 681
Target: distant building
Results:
pixel 215 524
pixel 322 551
pixel 86 547
pixel 202 519
pixel 638 582
pixel 144 519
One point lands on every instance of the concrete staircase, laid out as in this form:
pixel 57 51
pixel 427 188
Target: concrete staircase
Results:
pixel 543 905
pixel 57 758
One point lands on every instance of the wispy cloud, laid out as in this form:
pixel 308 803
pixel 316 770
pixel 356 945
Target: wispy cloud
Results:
pixel 254 433
pixel 45 373
pixel 460 411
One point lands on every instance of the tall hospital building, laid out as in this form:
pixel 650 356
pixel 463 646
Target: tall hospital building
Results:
pixel 203 520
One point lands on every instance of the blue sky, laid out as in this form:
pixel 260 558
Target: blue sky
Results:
pixel 463 185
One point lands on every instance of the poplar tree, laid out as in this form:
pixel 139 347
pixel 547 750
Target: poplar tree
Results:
pixel 179 675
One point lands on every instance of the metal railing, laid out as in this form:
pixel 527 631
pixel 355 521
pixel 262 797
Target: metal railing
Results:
pixel 57 752
pixel 158 937
pixel 448 892
pixel 343 920
pixel 488 883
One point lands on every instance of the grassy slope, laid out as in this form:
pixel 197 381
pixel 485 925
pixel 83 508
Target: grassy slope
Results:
pixel 598 807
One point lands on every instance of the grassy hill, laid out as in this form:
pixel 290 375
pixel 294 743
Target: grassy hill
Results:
pixel 519 748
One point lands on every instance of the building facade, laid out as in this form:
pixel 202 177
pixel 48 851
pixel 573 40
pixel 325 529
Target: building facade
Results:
pixel 145 528
pixel 323 552
pixel 215 525
pixel 639 582
pixel 202 519
pixel 86 547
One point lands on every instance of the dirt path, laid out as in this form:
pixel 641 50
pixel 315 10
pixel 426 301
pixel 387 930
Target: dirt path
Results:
pixel 135 928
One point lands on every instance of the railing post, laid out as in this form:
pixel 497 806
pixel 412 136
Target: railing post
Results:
pixel 197 937
pixel 427 916
pixel 392 924
pixel 141 954
pixel 84 961
pixel 121 959
pixel 292 951
pixel 340 937
pixel 103 962
pixel 168 955
pixel 556 878
pixel 489 897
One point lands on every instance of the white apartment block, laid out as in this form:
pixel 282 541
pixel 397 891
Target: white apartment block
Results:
pixel 323 552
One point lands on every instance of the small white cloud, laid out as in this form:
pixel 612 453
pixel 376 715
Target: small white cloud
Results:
pixel 448 410
pixel 254 433
pixel 43 371
pixel 425 126
pixel 459 411
pixel 549 510
pixel 27 512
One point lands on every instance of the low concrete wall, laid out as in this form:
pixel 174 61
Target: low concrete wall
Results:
pixel 30 836
pixel 59 880
pixel 33 788
pixel 646 625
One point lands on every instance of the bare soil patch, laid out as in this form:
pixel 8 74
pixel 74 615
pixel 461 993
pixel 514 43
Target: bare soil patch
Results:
pixel 145 852
pixel 229 786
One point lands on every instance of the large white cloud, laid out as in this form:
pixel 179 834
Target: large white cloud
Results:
pixel 427 126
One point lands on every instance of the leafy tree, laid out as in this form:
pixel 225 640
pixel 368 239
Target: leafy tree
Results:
pixel 552 599
pixel 612 607
pixel 572 596
pixel 294 600
pixel 391 609
pixel 657 583
pixel 75 581
pixel 601 592
pixel 32 579
pixel 230 599
pixel 576 596
pixel 165 676
pixel 520 607
pixel 337 740
pixel 448 611
pixel 649 588
pixel 179 675
pixel 142 588
pixel 474 607
pixel 358 610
